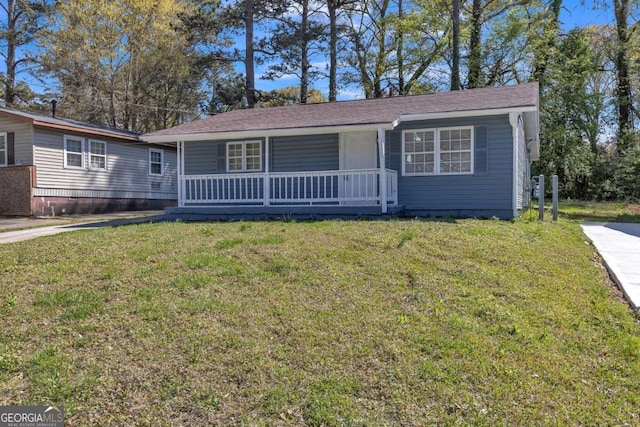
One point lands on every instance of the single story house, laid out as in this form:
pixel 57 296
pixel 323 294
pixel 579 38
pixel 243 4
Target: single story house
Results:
pixel 463 153
pixel 52 166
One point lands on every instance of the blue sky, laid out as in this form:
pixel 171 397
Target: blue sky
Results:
pixel 574 13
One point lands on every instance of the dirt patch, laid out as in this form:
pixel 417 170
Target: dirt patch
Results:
pixel 634 209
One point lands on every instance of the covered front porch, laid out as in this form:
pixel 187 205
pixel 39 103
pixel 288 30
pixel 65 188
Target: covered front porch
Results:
pixel 360 187
pixel 273 174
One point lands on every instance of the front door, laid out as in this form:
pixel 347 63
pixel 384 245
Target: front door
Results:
pixel 358 151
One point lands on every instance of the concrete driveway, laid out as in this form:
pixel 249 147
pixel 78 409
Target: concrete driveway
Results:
pixel 619 246
pixel 19 229
pixel 18 223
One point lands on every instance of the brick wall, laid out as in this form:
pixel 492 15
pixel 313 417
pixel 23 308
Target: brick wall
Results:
pixel 55 206
pixel 15 190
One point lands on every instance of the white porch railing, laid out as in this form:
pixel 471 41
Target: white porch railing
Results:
pixel 360 187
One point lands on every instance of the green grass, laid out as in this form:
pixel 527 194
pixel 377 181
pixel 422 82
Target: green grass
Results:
pixel 599 211
pixel 456 322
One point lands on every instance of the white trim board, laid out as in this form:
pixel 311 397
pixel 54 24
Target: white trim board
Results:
pixel 252 134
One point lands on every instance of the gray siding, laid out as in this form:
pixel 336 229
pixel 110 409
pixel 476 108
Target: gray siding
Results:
pixel 127 168
pixel 286 154
pixel 205 157
pixel 487 192
pixel 23 139
pixel 305 153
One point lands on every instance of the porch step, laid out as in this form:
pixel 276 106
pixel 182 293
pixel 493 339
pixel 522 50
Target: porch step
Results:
pixel 226 213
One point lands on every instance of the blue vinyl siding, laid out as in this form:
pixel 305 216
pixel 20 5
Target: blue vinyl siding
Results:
pixel 305 153
pixel 205 157
pixel 287 154
pixel 487 192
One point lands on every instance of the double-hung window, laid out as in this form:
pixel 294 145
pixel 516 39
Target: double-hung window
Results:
pixel 97 155
pixel 244 156
pixel 4 149
pixel 73 152
pixel 156 161
pixel 440 151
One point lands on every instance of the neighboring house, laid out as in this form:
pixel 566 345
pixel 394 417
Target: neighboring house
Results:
pixel 464 153
pixel 53 166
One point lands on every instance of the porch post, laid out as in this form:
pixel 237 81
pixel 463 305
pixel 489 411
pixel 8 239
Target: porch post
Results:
pixel 267 184
pixel 180 171
pixel 383 170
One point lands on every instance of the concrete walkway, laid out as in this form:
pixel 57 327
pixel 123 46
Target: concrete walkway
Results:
pixel 619 246
pixel 34 228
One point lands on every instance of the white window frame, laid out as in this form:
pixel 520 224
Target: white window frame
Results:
pixel 244 156
pixel 4 153
pixel 90 155
pixel 437 151
pixel 81 153
pixel 151 162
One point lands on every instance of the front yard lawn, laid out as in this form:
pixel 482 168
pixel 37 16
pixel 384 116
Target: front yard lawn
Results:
pixel 599 211
pixel 402 322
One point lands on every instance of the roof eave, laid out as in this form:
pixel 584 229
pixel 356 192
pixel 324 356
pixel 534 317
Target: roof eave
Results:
pixel 16 115
pixel 204 136
pixel 86 131
pixel 70 128
pixel 466 113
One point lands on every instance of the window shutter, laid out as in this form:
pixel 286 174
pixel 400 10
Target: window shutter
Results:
pixel 11 149
pixel 481 161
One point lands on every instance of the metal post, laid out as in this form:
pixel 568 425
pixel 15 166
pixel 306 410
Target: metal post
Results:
pixel 554 196
pixel 541 197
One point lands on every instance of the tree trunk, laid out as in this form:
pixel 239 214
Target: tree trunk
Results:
pixel 333 51
pixel 10 79
pixel 623 89
pixel 250 79
pixel 475 46
pixel 400 54
pixel 545 52
pixel 455 66
pixel 381 54
pixel 304 53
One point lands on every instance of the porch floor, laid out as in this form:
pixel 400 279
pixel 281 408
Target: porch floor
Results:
pixel 223 213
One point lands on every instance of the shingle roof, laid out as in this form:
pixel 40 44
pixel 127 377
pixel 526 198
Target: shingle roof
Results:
pixel 359 112
pixel 68 124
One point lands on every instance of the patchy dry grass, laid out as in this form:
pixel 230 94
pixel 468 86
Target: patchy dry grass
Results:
pixel 318 323
pixel 599 211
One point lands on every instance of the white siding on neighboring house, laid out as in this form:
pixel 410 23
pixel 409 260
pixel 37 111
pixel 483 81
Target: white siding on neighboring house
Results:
pixel 23 136
pixel 524 175
pixel 126 175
